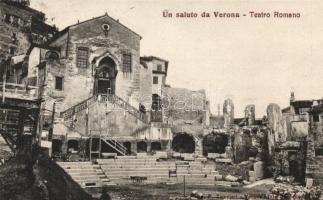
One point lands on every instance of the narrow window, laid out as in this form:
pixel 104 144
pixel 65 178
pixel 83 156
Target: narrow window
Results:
pixel 82 57
pixel 126 63
pixel 155 80
pixel 159 68
pixel 59 83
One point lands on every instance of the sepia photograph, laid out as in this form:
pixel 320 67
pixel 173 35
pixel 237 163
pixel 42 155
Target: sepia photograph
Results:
pixel 161 100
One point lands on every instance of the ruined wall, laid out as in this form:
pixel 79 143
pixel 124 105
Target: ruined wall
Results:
pixel 228 113
pixel 299 129
pixel 185 109
pixel 275 122
pixel 242 142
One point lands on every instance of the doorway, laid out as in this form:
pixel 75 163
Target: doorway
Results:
pixel 105 77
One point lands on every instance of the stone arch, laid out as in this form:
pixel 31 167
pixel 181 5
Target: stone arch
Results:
pixel 73 145
pixel 183 143
pixel 105 76
pixel 141 146
pixel 156 146
pixel 215 143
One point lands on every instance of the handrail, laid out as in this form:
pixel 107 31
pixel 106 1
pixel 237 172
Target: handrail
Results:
pixel 115 142
pixel 78 107
pixel 111 142
pixel 114 99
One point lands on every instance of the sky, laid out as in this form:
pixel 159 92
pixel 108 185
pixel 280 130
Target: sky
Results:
pixel 251 60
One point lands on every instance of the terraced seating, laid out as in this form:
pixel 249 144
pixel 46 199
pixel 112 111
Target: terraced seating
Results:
pixel 86 174
pixel 121 169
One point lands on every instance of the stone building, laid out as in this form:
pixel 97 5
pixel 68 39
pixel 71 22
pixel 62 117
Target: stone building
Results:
pixel 21 28
pixel 99 87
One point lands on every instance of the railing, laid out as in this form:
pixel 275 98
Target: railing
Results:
pixel 111 142
pixel 117 101
pixel 115 145
pixel 113 99
pixel 20 91
pixel 78 107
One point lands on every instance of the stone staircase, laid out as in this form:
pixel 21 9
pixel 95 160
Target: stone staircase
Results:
pixel 86 174
pixel 111 98
pixel 122 170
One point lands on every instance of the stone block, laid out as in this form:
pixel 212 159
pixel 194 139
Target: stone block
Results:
pixel 139 155
pixel 218 177
pixel 252 179
pixel 213 155
pixel 259 170
pixel 309 182
pixel 251 173
pixel 223 160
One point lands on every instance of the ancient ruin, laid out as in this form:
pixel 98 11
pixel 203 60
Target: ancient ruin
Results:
pixel 106 116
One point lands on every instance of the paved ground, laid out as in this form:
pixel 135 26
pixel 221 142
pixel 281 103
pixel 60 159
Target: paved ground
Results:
pixel 165 192
pixel 268 181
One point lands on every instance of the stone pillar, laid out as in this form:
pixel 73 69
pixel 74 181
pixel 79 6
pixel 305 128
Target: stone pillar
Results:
pixel 134 147
pixel 228 113
pixel 64 146
pixel 148 146
pixel 250 114
pixel 198 146
pixel 275 122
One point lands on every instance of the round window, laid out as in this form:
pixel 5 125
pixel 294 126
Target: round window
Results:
pixel 105 27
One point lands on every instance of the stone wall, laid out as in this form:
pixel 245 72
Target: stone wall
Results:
pixel 185 110
pixel 20 27
pixel 79 83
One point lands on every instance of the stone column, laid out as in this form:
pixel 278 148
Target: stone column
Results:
pixel 250 114
pixel 148 146
pixel 134 147
pixel 228 113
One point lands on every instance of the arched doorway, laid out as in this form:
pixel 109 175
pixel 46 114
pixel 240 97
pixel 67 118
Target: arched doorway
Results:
pixel 105 77
pixel 73 145
pixel 214 143
pixel 183 143
pixel 155 146
pixel 56 146
pixel 128 147
pixel 141 147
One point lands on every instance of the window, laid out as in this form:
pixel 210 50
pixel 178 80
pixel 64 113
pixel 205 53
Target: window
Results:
pixel 12 51
pixel 82 57
pixel 155 80
pixel 156 102
pixel 59 83
pixel 159 68
pixel 126 63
